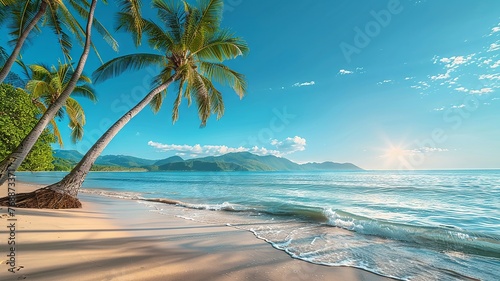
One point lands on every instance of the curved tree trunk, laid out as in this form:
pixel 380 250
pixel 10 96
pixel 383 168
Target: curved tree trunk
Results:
pixel 62 195
pixel 14 160
pixel 72 182
pixel 20 42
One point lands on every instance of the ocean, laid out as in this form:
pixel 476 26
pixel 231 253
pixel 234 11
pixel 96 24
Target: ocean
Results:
pixel 415 225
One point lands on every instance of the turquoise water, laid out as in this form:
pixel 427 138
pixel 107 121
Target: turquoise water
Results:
pixel 424 225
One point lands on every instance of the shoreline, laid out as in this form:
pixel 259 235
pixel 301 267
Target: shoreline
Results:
pixel 120 239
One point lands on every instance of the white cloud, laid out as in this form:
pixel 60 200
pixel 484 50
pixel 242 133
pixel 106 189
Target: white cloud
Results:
pixel 455 61
pixel 312 83
pixel 487 61
pixel 409 78
pixel 345 72
pixel 439 109
pixel 198 150
pixel 458 106
pixel 490 77
pixel 442 76
pixel 425 150
pixel 495 99
pixel 290 145
pixel 384 82
pixel 496 64
pixel 482 91
pixel 494 47
pixel 285 147
pixel 462 89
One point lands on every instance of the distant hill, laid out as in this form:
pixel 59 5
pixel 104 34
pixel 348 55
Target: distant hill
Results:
pixel 329 166
pixel 241 161
pixel 71 155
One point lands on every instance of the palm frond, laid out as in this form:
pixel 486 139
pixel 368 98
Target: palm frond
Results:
pixel 157 102
pixel 7 2
pixel 119 65
pixel 133 8
pixel 3 56
pixel 77 119
pixel 64 72
pixel 25 70
pixel 126 22
pixel 21 15
pixel 224 76
pixel 56 132
pixel 177 102
pixel 206 20
pixel 216 100
pixel 85 91
pixel 159 39
pixel 222 46
pixel 200 91
pixel 84 13
pixel 171 13
pixel 53 21
pixel 37 88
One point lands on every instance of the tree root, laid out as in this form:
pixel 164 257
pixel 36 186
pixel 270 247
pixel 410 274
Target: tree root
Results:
pixel 44 198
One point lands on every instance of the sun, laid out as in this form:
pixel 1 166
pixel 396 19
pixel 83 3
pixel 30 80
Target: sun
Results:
pixel 395 152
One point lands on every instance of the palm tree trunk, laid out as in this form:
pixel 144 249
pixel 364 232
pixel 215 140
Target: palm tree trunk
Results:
pixel 20 42
pixel 71 183
pixel 15 159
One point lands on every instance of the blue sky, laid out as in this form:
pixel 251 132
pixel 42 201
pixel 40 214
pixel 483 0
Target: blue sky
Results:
pixel 383 84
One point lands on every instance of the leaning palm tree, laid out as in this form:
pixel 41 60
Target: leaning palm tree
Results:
pixel 192 47
pixel 14 160
pixel 47 83
pixel 26 16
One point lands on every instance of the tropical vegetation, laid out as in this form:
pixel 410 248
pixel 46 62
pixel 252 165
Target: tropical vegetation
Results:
pixel 47 83
pixel 17 116
pixel 192 47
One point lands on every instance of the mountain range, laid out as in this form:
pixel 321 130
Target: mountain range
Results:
pixel 240 161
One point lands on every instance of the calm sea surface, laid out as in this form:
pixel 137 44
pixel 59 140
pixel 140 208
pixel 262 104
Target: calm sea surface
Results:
pixel 425 225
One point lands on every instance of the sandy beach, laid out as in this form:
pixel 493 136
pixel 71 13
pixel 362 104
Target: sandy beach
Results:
pixel 113 239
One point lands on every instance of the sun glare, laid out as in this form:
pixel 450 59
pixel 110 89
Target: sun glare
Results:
pixel 395 152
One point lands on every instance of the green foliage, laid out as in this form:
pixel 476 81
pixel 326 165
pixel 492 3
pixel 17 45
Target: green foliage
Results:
pixel 45 86
pixel 18 115
pixel 192 47
pixel 57 17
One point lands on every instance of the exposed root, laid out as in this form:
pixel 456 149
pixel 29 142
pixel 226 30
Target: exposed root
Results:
pixel 44 198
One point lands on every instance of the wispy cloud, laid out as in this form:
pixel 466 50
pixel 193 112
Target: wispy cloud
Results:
pixel 312 83
pixel 489 77
pixel 345 72
pixel 427 150
pixel 482 91
pixel 280 148
pixel 440 108
pixel 442 76
pixel 462 89
pixel 496 64
pixel 495 29
pixel 494 47
pixel 384 82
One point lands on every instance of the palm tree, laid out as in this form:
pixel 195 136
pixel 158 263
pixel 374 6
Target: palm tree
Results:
pixel 46 84
pixel 14 160
pixel 192 48
pixel 25 17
